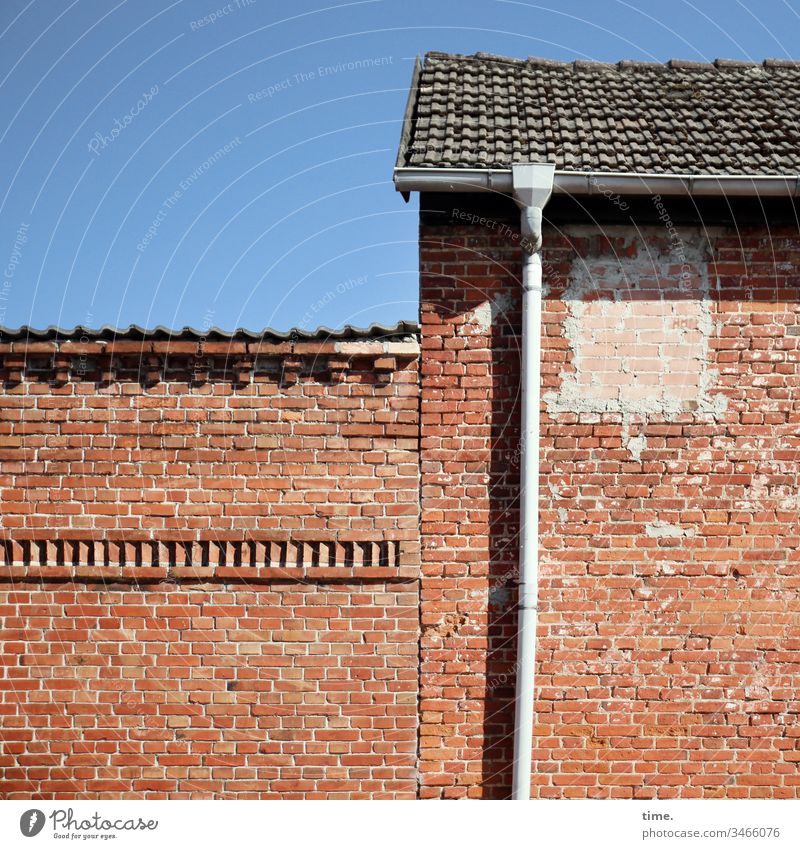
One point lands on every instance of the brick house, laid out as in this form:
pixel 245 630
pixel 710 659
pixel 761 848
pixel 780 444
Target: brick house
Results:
pixel 287 565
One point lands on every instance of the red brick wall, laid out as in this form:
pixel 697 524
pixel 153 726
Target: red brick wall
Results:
pixel 210 570
pixel 669 635
pixel 313 438
pixel 209 577
pixel 286 689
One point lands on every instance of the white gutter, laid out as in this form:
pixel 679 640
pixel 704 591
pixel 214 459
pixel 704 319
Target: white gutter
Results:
pixel 532 185
pixel 599 182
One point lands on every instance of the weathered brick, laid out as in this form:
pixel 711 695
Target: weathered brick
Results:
pixel 659 524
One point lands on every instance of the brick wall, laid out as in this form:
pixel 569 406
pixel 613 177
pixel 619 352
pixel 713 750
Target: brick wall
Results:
pixel 211 551
pixel 209 569
pixel 669 636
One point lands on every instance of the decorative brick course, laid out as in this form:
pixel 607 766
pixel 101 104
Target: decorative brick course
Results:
pixel 253 557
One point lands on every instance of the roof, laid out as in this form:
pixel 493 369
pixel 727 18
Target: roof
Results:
pixel 135 333
pixel 485 111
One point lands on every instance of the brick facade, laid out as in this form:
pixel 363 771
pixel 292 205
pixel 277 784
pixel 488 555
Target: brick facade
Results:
pixel 669 629
pixel 210 559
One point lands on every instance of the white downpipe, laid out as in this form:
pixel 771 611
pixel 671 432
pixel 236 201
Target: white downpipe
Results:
pixel 532 186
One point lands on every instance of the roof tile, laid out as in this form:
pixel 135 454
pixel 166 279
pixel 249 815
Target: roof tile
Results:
pixel 213 334
pixel 686 117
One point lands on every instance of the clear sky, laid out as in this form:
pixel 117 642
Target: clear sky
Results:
pixel 229 162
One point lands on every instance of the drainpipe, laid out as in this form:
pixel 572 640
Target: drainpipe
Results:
pixel 532 185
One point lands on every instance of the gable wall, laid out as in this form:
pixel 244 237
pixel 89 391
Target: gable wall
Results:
pixel 669 625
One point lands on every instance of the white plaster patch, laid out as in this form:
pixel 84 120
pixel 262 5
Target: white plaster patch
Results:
pixel 636 444
pixel 639 326
pixel 664 529
pixel 489 311
pixel 482 315
pixel 760 495
pixel 409 347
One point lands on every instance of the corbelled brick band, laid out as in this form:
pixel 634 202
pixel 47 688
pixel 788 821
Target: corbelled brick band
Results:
pixel 209 564
pixel 253 556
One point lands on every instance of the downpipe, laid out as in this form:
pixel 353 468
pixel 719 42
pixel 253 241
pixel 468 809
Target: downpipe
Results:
pixel 532 187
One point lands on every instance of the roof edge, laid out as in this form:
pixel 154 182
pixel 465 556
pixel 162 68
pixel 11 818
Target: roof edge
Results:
pixel 719 64
pixel 160 333
pixel 408 114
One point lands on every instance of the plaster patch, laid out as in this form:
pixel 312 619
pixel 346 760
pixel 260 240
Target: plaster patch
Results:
pixel 760 495
pixel 636 444
pixel 489 311
pixel 664 529
pixel 639 326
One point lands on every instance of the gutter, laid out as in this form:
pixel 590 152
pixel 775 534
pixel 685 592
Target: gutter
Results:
pixel 500 180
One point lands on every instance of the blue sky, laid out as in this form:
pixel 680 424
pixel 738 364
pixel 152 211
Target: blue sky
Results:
pixel 212 162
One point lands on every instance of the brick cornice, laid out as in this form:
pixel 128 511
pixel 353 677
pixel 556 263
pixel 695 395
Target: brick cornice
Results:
pixel 199 361
pixel 82 556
